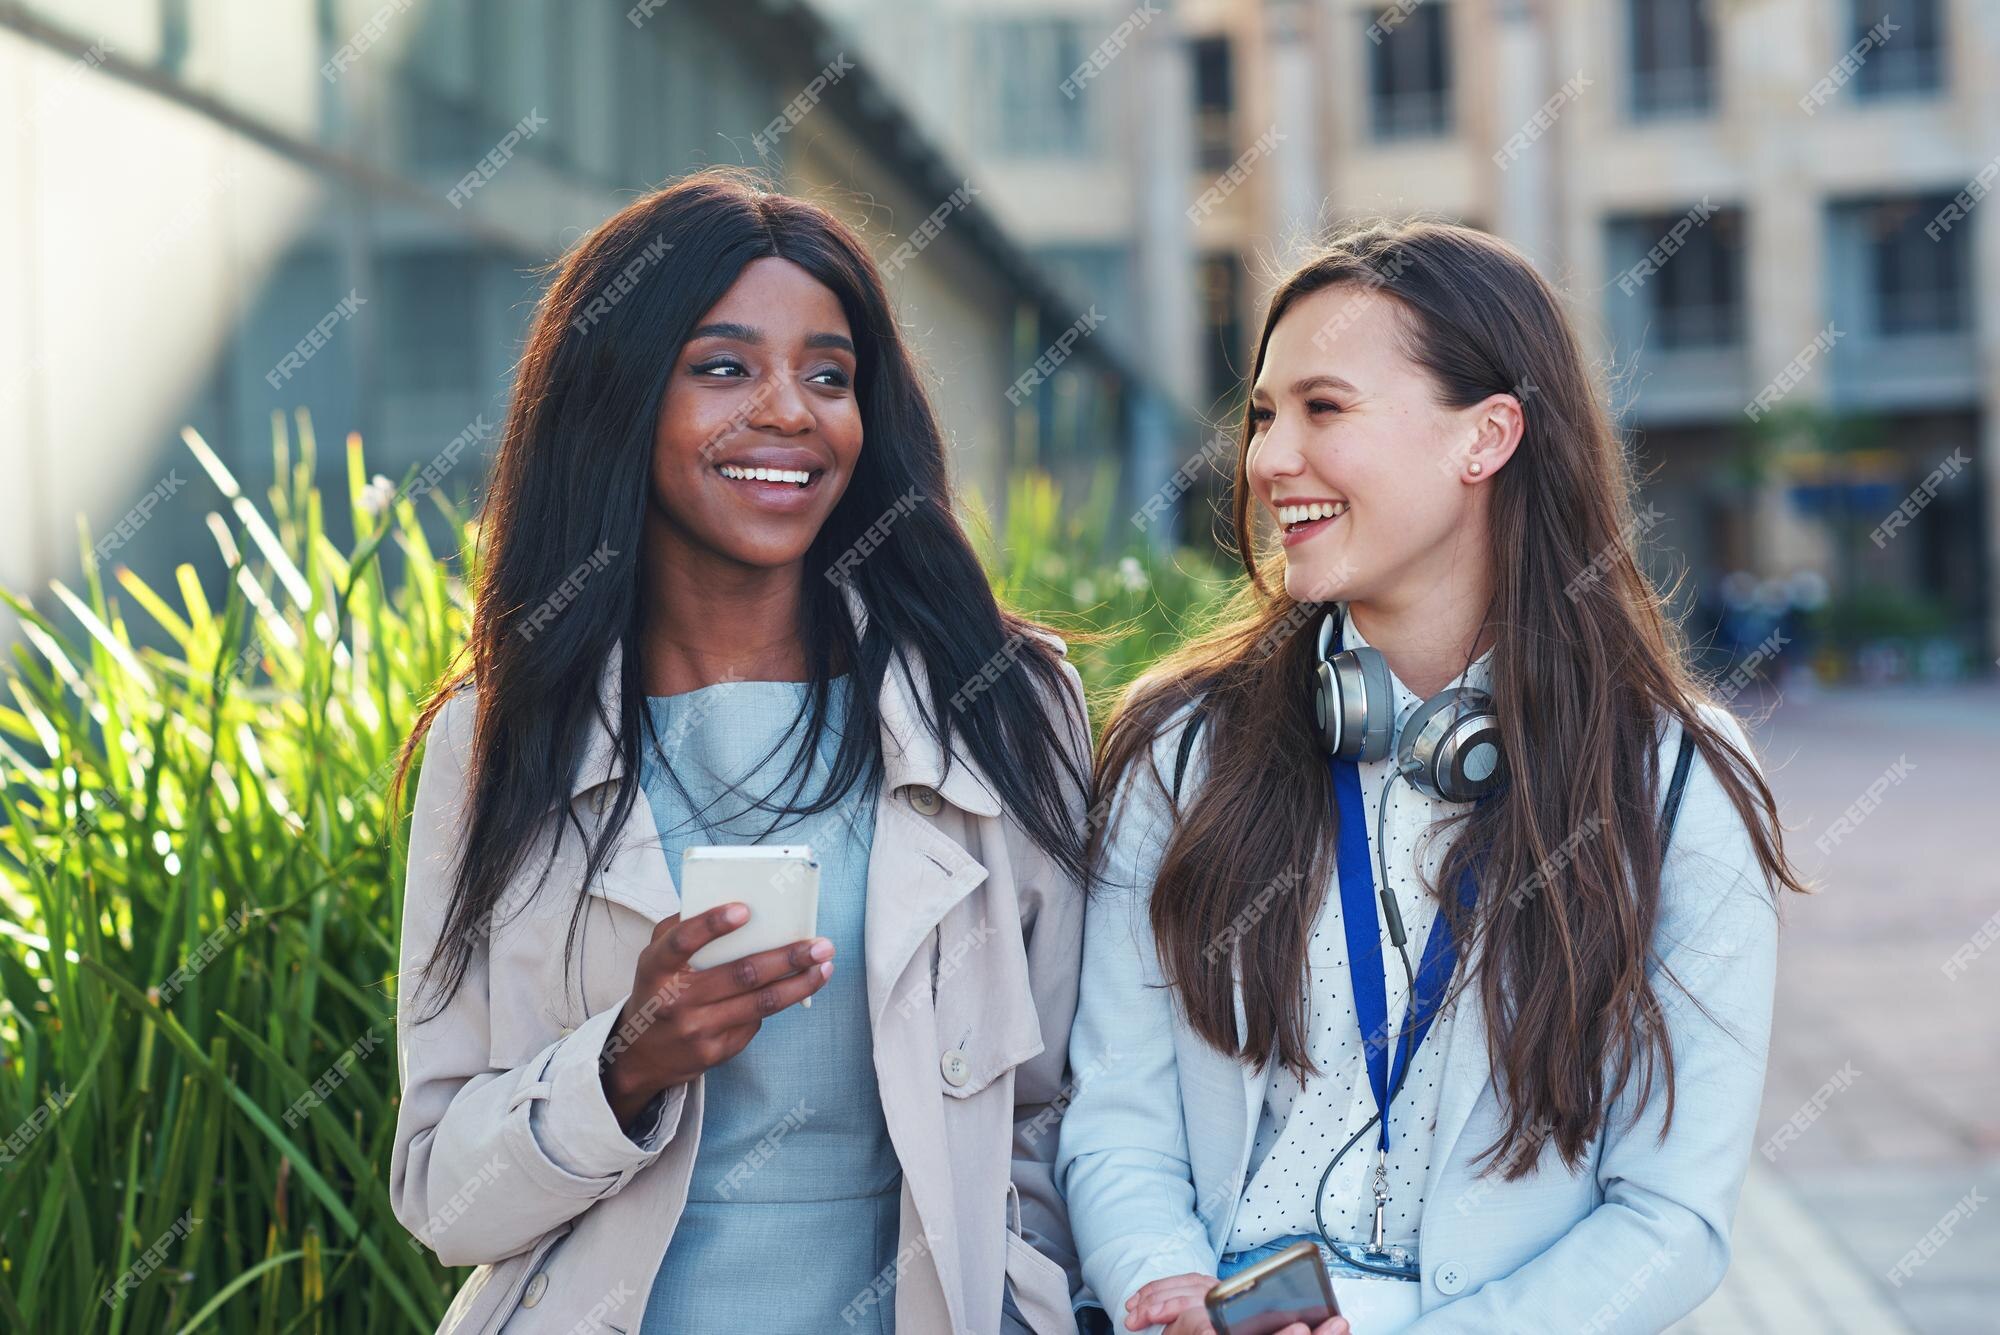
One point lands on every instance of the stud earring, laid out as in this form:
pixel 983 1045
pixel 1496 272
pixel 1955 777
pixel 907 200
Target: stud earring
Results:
pixel 1475 468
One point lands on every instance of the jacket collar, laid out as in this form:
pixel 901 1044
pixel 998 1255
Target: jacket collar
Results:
pixel 912 755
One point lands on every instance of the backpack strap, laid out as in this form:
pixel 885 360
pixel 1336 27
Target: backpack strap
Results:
pixel 1186 750
pixel 1676 788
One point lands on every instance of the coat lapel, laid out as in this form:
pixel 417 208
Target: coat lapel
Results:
pixel 1467 1072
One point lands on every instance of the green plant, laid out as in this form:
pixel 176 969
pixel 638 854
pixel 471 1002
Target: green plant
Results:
pixel 219 808
pixel 1119 616
pixel 201 884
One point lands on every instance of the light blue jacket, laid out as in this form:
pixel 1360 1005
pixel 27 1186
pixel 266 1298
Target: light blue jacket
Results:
pixel 1156 1142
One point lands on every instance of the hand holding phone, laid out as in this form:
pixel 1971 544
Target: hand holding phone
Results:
pixel 1285 1294
pixel 682 1018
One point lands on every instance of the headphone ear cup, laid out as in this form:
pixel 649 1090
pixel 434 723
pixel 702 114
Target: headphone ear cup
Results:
pixel 1326 707
pixel 1450 746
pixel 1355 708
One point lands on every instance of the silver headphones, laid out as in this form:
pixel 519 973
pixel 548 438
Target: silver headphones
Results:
pixel 1448 747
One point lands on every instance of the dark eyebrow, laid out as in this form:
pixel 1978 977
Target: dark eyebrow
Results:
pixel 1313 382
pixel 742 333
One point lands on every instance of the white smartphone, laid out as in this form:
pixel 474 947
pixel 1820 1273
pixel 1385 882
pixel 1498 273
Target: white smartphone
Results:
pixel 779 883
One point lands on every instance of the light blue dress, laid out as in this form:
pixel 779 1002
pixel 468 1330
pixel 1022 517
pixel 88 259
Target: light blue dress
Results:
pixel 793 1207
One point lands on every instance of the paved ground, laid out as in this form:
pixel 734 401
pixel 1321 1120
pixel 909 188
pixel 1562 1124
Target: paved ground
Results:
pixel 1886 1049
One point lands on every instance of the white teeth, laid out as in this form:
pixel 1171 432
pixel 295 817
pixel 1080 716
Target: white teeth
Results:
pixel 796 476
pixel 1301 514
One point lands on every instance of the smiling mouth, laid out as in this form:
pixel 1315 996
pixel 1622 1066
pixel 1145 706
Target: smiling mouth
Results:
pixel 1295 518
pixel 800 478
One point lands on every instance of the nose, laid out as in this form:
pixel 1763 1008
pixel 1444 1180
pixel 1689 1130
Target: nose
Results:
pixel 1274 455
pixel 779 406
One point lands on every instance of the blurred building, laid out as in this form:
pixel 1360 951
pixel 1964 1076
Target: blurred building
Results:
pixel 210 213
pixel 1767 215
pixel 1750 204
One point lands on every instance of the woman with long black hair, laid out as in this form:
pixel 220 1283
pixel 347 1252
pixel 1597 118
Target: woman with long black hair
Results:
pixel 723 600
pixel 1437 925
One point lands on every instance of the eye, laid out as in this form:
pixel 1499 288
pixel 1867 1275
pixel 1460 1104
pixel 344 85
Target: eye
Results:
pixel 1259 416
pixel 1322 406
pixel 832 376
pixel 718 367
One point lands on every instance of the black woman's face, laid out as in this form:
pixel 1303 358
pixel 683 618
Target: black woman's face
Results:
pixel 759 429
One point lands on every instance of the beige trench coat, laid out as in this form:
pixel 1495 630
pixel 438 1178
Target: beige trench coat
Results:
pixel 973 940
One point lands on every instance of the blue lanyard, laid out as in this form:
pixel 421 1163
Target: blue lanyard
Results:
pixel 1360 919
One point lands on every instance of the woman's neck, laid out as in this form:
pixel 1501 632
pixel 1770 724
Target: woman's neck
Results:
pixel 708 620
pixel 1427 639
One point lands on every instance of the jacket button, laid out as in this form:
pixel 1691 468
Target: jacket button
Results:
pixel 1449 1279
pixel 957 1070
pixel 926 800
pixel 537 1286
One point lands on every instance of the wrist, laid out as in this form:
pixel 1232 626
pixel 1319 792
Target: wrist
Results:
pixel 614 1070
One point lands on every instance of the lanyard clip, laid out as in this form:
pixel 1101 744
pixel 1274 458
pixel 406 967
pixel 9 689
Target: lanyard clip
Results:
pixel 1376 1238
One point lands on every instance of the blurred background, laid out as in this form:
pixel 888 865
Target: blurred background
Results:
pixel 1766 214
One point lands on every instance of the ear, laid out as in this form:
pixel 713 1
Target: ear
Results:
pixel 1494 426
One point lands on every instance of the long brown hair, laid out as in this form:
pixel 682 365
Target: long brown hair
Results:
pixel 1585 670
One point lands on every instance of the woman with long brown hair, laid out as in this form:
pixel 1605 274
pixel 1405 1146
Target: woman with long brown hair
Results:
pixel 1435 918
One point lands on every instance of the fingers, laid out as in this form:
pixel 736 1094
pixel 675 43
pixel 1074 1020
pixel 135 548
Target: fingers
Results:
pixel 1191 1320
pixel 766 967
pixel 767 1000
pixel 1337 1326
pixel 683 938
pixel 1166 1299
pixel 1172 1284
pixel 752 973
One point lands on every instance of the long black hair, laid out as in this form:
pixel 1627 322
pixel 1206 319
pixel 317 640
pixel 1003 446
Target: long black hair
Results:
pixel 569 493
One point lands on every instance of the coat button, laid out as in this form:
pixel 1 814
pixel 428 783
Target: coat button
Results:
pixel 537 1286
pixel 926 800
pixel 957 1070
pixel 1449 1278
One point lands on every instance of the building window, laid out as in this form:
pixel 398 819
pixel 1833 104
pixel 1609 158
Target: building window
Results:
pixel 1672 56
pixel 1914 284
pixel 427 321
pixel 1028 105
pixel 1686 273
pixel 1905 55
pixel 1409 73
pixel 1214 104
pixel 1092 276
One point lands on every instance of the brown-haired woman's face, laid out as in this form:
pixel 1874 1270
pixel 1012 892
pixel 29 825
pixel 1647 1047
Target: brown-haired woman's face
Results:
pixel 1364 472
pixel 759 429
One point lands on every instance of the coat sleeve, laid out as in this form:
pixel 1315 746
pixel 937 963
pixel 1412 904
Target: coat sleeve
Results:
pixel 1054 901
pixel 1658 1243
pixel 1123 1163
pixel 487 1160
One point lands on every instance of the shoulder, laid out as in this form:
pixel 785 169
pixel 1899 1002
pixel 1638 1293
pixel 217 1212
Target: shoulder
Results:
pixel 1068 705
pixel 1175 716
pixel 453 727
pixel 1139 796
pixel 442 757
